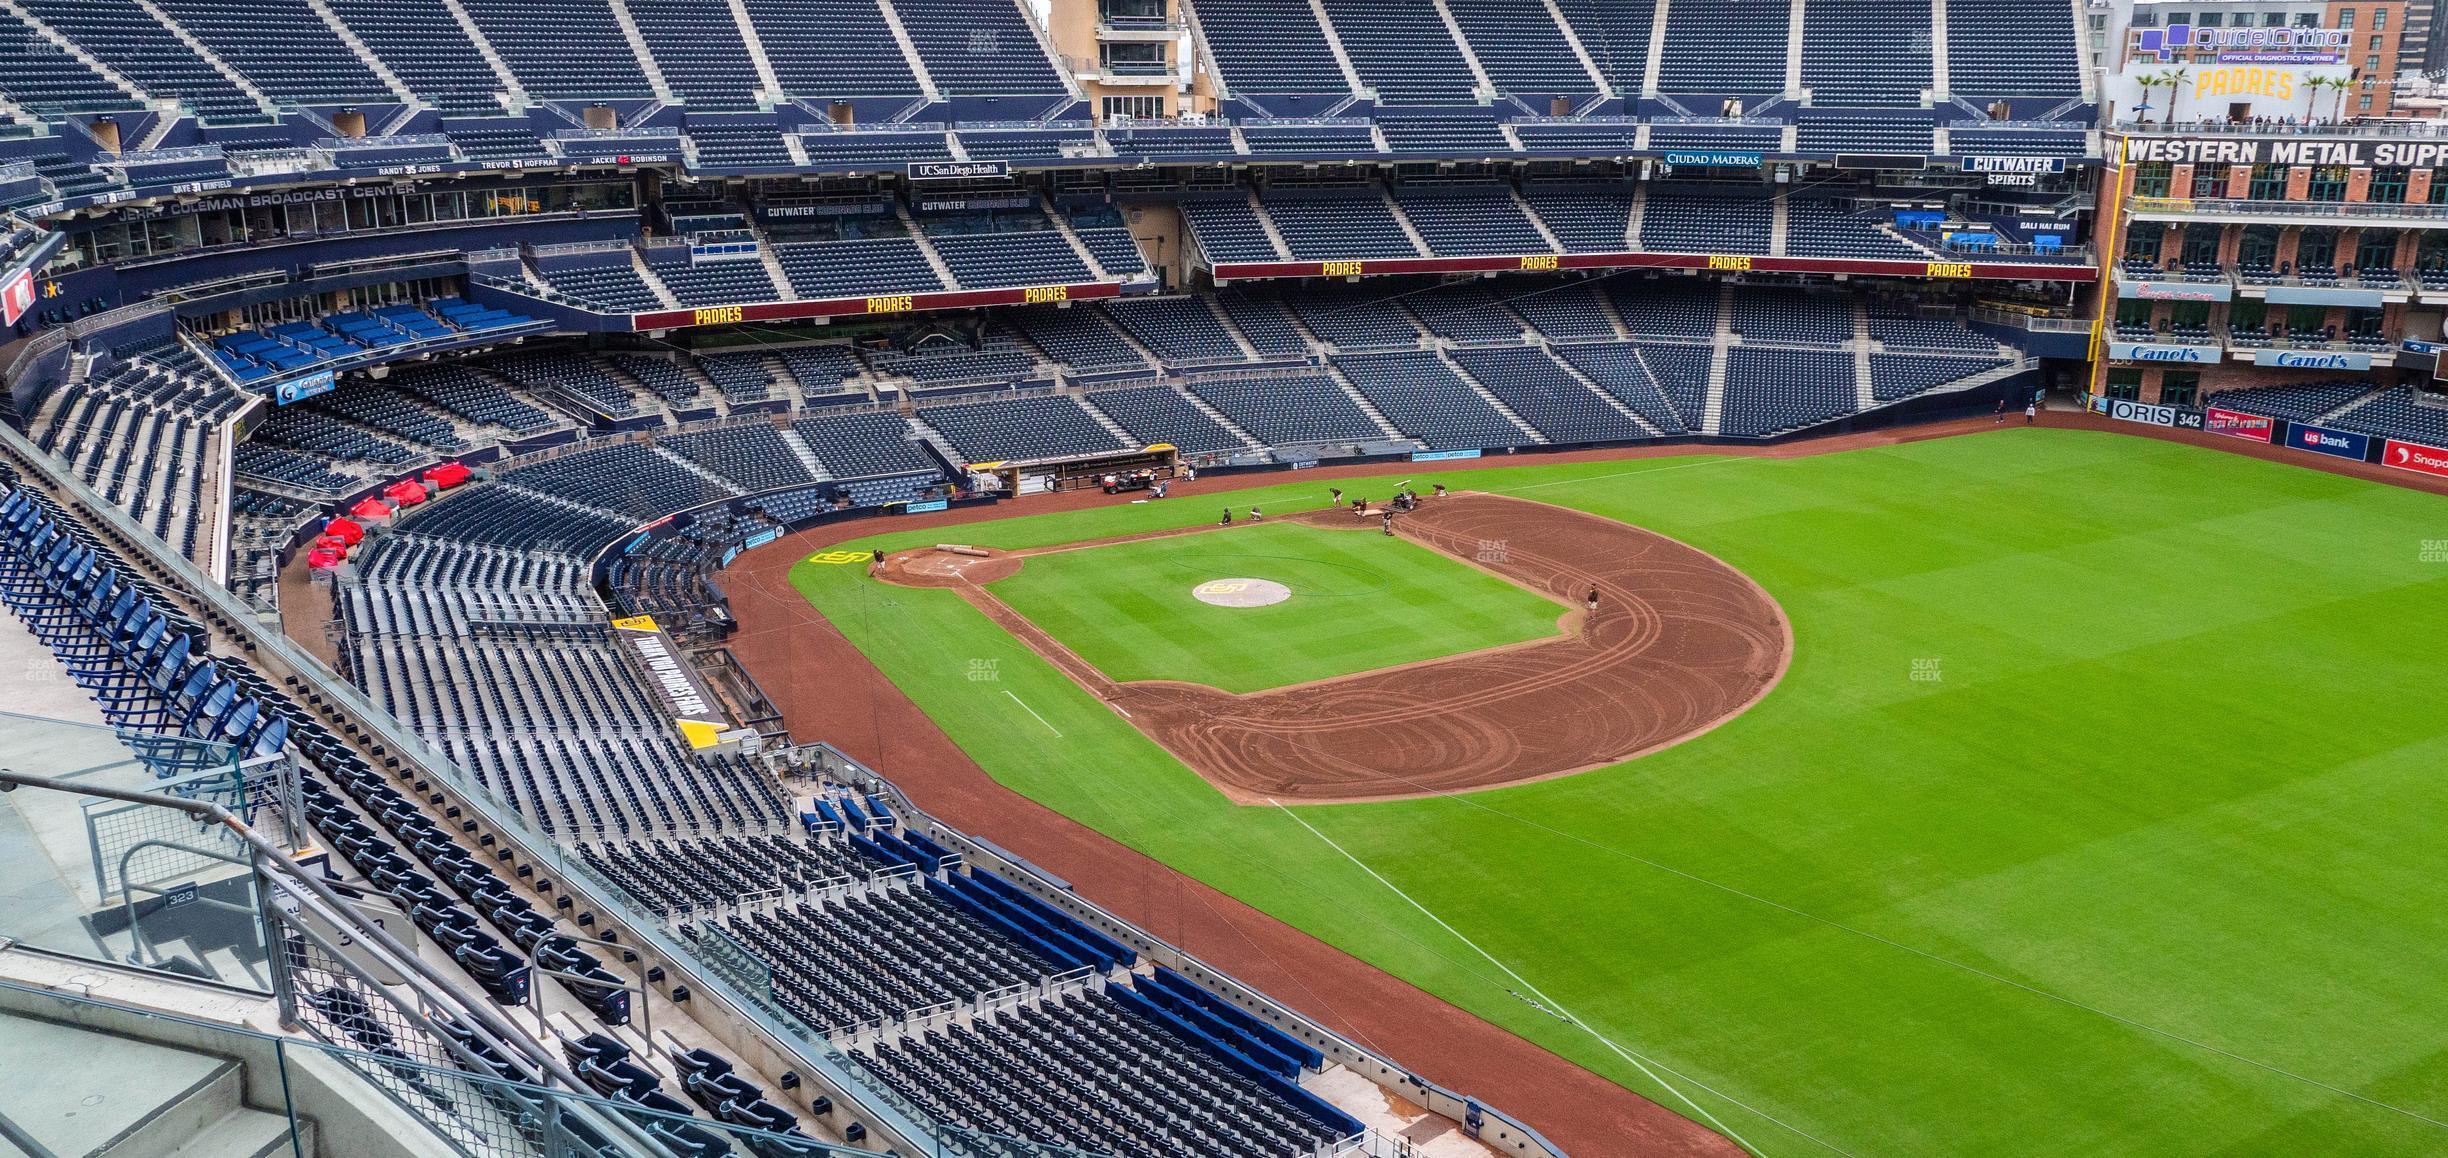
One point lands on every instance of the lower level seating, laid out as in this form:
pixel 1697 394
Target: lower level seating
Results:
pixel 1163 414
pixel 1290 411
pixel 1021 428
pixel 1772 390
pixel 1548 396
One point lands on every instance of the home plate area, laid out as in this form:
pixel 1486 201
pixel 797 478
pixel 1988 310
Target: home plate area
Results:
pixel 1241 592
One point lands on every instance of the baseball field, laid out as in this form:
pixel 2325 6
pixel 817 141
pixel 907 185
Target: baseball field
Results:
pixel 2098 811
pixel 1353 603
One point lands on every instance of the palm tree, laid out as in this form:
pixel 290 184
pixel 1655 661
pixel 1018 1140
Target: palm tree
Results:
pixel 2174 79
pixel 2329 83
pixel 2314 86
pixel 2146 82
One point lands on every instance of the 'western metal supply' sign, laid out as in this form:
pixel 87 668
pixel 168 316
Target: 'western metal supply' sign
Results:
pixel 2203 150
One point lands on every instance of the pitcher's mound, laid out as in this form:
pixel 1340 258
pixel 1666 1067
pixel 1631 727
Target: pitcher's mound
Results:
pixel 1241 592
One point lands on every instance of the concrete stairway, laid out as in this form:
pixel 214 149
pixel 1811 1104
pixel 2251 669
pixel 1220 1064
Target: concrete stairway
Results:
pixel 82 1092
pixel 484 48
pixel 1390 432
pixel 1604 395
pixel 1713 410
pixel 647 274
pixel 1489 396
pixel 232 75
pixel 909 50
pixel 1266 225
pixel 756 50
pixel 637 46
pixel 365 56
pixel 1334 44
pixel 1105 421
pixel 1222 419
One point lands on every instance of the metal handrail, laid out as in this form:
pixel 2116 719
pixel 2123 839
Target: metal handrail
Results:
pixel 273 861
pixel 2247 207
pixel 883 1109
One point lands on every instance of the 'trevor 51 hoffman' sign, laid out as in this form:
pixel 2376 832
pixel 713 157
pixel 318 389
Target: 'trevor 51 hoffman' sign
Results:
pixel 2199 150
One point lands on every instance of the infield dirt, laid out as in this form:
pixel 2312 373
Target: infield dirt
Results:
pixel 1679 643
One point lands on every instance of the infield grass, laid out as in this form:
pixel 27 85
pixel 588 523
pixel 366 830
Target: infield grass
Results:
pixel 2099 813
pixel 1359 601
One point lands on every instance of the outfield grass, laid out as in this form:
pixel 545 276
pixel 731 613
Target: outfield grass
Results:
pixel 1360 601
pixel 2148 862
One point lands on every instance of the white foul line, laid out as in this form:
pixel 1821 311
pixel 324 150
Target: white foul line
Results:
pixel 1524 982
pixel 1033 712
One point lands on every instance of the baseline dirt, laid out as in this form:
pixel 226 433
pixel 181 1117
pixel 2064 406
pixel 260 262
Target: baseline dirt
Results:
pixel 1680 643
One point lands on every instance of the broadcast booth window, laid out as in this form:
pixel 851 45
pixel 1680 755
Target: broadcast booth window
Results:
pixel 2179 387
pixel 2124 383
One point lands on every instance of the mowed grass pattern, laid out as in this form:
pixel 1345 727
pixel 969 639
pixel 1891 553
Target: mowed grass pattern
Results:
pixel 2149 862
pixel 1360 601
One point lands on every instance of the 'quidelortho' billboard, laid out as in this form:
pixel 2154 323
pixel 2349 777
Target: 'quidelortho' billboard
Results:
pixel 2334 443
pixel 2415 457
pixel 2237 424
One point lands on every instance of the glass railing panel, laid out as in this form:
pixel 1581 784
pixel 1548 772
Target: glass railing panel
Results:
pixel 123 882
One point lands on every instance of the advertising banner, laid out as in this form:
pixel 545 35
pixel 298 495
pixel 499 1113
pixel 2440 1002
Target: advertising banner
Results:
pixel 16 297
pixel 2314 295
pixel 2421 152
pixel 1716 158
pixel 2245 44
pixel 694 710
pixel 2313 359
pixel 957 170
pixel 2415 457
pixel 2158 352
pixel 2175 291
pixel 2013 164
pixel 1441 455
pixel 2237 424
pixel 2155 414
pixel 2334 443
pixel 301 389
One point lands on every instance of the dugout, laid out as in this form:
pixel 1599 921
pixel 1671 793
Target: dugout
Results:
pixel 1080 471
